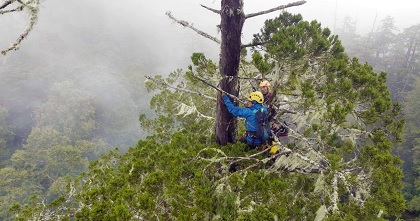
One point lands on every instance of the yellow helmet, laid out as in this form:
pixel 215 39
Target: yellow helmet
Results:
pixel 265 83
pixel 256 96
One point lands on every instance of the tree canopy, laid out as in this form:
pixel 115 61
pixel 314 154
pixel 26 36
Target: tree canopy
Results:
pixel 336 165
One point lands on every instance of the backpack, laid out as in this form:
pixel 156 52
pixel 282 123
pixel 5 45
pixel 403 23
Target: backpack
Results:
pixel 263 131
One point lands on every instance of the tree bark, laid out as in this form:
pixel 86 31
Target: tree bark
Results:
pixel 232 21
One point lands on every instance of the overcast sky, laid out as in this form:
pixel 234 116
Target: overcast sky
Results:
pixel 328 12
pixel 405 12
pixel 140 32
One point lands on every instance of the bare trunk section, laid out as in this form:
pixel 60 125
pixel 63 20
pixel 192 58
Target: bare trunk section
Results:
pixel 232 20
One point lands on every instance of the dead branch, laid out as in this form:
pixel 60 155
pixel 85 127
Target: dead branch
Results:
pixel 210 9
pixel 275 9
pixel 34 16
pixel 258 77
pixel 253 44
pixel 180 89
pixel 6 3
pixel 334 197
pixel 186 24
pixel 251 157
pixel 16 9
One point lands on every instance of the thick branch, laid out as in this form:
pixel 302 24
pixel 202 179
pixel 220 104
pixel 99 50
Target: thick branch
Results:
pixel 186 24
pixel 210 9
pixel 275 9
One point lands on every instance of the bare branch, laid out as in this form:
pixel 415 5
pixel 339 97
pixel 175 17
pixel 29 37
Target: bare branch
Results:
pixel 334 197
pixel 16 9
pixel 253 44
pixel 180 89
pixel 185 110
pixel 34 16
pixel 6 3
pixel 275 9
pixel 186 24
pixel 210 9
pixel 258 77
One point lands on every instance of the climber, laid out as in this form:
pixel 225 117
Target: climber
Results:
pixel 256 119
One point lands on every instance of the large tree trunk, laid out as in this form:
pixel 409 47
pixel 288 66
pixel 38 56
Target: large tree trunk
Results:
pixel 232 20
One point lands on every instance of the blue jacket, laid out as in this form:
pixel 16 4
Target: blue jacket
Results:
pixel 248 114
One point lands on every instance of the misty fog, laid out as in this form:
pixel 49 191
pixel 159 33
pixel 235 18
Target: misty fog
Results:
pixel 128 31
pixel 95 40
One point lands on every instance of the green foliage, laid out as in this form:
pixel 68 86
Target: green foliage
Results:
pixel 186 179
pixel 411 151
pixel 184 104
pixel 41 167
pixel 345 122
pixel 347 107
pixel 180 174
pixel 337 165
pixel 385 36
pixel 69 111
pixel 261 63
pixel 56 120
pixel 6 136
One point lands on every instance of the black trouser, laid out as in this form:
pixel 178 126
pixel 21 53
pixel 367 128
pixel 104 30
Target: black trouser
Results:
pixel 250 146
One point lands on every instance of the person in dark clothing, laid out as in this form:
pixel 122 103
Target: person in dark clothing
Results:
pixel 269 99
pixel 278 128
pixel 254 103
pixel 265 87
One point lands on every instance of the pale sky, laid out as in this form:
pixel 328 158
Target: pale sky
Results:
pixel 332 12
pixel 329 12
pixel 142 26
pixel 405 12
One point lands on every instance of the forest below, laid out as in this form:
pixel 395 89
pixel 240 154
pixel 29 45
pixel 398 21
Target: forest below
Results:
pixel 102 142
